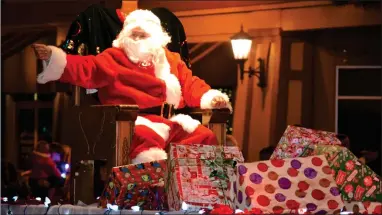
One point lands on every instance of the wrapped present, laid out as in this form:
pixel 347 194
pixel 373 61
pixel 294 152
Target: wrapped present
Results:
pixel 199 175
pixel 296 142
pixel 137 185
pixel 363 207
pixel 356 181
pixel 298 185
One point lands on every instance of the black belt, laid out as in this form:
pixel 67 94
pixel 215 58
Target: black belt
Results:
pixel 165 110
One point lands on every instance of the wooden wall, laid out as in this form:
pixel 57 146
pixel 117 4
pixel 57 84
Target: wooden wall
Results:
pixel 258 124
pixel 309 63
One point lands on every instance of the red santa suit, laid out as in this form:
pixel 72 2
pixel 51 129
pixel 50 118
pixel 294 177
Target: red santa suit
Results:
pixel 120 81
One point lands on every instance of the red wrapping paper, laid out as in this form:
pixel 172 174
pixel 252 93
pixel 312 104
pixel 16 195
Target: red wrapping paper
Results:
pixel 297 140
pixel 140 184
pixel 189 176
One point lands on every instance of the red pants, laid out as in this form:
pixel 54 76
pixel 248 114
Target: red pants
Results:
pixel 155 132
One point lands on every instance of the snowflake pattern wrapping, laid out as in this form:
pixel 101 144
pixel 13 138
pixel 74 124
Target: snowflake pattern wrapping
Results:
pixel 137 185
pixel 298 185
pixel 296 141
pixel 195 175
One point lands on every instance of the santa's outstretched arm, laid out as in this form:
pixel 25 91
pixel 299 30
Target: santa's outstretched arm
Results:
pixel 197 93
pixel 84 71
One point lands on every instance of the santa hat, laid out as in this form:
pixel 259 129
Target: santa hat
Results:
pixel 141 16
pixel 146 20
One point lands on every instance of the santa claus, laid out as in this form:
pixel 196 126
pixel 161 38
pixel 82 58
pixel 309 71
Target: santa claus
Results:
pixel 138 69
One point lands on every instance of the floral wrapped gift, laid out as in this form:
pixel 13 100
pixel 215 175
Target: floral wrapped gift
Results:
pixel 298 185
pixel 363 207
pixel 199 175
pixel 296 142
pixel 356 181
pixel 137 185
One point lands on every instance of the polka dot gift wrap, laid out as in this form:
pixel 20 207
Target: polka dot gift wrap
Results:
pixel 296 185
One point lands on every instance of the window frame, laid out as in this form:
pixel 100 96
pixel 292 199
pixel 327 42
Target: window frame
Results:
pixel 338 97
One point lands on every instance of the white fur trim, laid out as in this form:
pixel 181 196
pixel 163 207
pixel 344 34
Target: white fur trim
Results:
pixel 173 88
pixel 161 129
pixel 206 100
pixel 188 124
pixel 53 69
pixel 142 16
pixel 91 91
pixel 152 154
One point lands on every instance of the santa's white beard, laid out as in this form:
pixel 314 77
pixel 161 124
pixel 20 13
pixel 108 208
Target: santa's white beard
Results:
pixel 142 50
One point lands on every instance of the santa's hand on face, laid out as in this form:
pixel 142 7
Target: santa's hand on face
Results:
pixel 140 70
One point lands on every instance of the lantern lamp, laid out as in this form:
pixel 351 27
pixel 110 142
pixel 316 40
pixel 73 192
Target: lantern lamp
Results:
pixel 241 46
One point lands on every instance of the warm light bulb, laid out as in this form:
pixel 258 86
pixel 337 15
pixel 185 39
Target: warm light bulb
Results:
pixel 238 211
pixel 47 202
pixel 241 48
pixel 112 207
pixel 135 208
pixel 184 206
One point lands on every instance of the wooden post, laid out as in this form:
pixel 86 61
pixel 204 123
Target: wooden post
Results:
pixel 218 125
pixel 35 120
pixel 219 129
pixel 77 95
pixel 124 133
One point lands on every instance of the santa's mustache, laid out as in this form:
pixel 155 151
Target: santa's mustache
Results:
pixel 139 50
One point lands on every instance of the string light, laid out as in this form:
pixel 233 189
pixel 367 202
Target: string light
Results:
pixel 238 211
pixel 184 206
pixel 112 207
pixel 47 202
pixel 135 208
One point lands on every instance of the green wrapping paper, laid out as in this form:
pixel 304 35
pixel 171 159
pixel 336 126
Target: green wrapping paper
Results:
pixel 356 181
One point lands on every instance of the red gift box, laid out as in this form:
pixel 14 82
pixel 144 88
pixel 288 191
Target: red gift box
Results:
pixel 296 141
pixel 190 181
pixel 137 185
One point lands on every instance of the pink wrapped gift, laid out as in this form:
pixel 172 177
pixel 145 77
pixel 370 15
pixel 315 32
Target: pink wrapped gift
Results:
pixel 191 182
pixel 298 185
pixel 296 141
